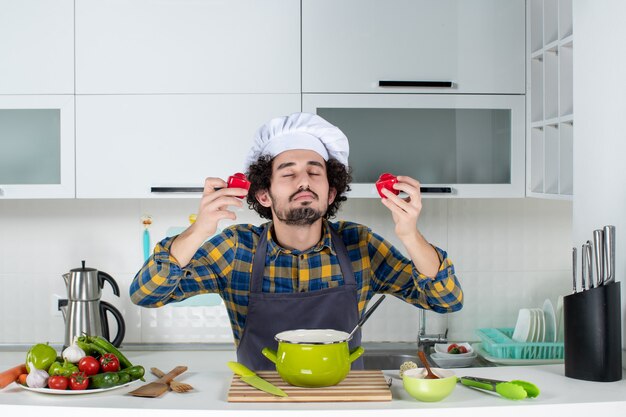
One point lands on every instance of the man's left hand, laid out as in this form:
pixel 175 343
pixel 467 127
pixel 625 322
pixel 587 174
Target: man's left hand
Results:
pixel 405 211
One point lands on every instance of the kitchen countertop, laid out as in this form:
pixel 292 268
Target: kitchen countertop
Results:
pixel 210 376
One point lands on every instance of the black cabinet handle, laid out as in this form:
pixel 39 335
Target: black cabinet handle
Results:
pixel 443 190
pixel 433 190
pixel 176 189
pixel 444 84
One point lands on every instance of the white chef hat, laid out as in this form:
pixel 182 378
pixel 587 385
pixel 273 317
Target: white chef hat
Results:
pixel 299 131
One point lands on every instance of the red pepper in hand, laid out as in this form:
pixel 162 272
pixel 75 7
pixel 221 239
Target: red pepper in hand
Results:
pixel 79 381
pixel 238 180
pixel 89 365
pixel 109 363
pixel 58 382
pixel 387 181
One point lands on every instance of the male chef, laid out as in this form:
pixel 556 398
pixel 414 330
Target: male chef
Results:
pixel 298 270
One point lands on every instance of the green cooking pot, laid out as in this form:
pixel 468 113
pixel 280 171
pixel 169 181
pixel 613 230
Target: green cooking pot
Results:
pixel 313 358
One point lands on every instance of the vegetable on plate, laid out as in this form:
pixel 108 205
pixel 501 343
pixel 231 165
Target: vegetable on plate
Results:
pixel 89 365
pixel 109 363
pixel 41 355
pixel 79 381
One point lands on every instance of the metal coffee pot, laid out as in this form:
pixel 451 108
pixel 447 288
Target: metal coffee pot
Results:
pixel 83 311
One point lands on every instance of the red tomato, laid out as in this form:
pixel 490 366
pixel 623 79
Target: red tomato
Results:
pixel 452 346
pixel 58 382
pixel 462 349
pixel 89 365
pixel 79 381
pixel 109 363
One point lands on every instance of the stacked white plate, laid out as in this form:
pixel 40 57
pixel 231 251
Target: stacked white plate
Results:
pixel 537 325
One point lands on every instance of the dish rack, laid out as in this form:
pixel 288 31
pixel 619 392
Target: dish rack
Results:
pixel 498 343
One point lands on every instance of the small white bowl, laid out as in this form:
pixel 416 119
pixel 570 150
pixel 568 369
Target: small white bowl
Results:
pixel 442 348
pixel 452 360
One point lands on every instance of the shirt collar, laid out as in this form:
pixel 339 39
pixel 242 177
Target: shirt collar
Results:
pixel 274 249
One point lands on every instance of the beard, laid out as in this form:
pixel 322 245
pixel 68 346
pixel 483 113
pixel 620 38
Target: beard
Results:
pixel 299 216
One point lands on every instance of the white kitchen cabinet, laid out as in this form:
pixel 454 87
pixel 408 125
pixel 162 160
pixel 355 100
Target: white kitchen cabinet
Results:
pixel 350 46
pixel 127 144
pixel 455 145
pixel 550 106
pixel 36 47
pixel 187 46
pixel 36 146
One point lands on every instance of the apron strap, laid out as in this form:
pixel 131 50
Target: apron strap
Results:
pixel 258 262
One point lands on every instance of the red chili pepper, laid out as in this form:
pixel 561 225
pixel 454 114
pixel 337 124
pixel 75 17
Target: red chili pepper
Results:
pixel 387 181
pixel 238 180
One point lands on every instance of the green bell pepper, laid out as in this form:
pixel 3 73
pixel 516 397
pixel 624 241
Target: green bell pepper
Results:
pixel 41 356
pixel 64 369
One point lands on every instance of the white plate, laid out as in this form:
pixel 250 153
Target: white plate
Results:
pixel 540 320
pixel 523 326
pixel 71 391
pixel 446 361
pixel 442 348
pixel 478 348
pixel 550 316
pixel 559 319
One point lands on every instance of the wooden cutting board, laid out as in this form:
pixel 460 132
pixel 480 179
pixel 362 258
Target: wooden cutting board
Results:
pixel 358 386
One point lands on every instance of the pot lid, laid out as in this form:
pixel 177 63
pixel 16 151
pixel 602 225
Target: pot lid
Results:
pixel 312 336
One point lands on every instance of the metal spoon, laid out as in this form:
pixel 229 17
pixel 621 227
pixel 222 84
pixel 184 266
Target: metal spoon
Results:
pixel 366 316
pixel 429 374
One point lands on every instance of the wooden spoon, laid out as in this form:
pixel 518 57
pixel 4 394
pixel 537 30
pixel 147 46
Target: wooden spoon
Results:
pixel 429 374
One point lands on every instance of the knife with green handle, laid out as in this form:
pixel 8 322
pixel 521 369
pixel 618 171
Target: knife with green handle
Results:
pixel 513 390
pixel 252 379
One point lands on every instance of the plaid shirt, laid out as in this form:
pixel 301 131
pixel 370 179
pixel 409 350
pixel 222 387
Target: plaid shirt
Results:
pixel 224 265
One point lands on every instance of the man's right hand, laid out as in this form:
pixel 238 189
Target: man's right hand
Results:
pixel 213 208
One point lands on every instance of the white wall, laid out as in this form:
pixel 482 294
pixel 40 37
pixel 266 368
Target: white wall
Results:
pixel 509 253
pixel 599 133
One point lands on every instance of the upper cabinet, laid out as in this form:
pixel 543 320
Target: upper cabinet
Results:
pixel 37 47
pixel 130 145
pixel 400 46
pixel 187 46
pixel 36 146
pixel 550 141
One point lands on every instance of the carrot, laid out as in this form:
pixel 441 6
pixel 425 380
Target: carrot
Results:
pixel 11 375
pixel 22 379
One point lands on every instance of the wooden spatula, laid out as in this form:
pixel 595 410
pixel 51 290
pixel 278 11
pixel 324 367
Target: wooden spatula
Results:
pixel 157 388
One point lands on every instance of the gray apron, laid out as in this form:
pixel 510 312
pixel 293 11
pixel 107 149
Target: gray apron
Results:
pixel 271 313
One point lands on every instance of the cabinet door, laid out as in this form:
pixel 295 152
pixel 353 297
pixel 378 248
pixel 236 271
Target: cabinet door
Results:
pixel 455 145
pixel 351 45
pixel 127 144
pixel 187 46
pixel 36 146
pixel 36 47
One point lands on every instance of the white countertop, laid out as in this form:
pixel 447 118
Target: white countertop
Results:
pixel 211 378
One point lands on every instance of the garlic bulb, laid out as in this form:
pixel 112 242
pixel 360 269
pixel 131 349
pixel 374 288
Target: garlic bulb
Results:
pixel 37 378
pixel 73 353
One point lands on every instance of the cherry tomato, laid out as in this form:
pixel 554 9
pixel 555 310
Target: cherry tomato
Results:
pixel 89 365
pixel 79 381
pixel 58 382
pixel 462 349
pixel 109 363
pixel 452 346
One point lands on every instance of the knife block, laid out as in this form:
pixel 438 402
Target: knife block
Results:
pixel 593 334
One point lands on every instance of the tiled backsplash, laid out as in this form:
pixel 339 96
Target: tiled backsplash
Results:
pixel 508 253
